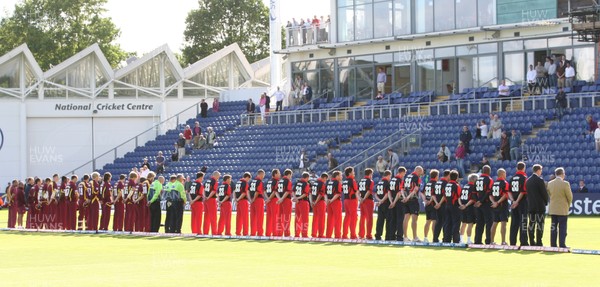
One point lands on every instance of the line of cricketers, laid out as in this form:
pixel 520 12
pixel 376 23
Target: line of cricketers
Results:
pixel 449 208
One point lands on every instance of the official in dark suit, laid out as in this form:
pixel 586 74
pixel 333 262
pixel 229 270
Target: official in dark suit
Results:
pixel 250 110
pixel 537 199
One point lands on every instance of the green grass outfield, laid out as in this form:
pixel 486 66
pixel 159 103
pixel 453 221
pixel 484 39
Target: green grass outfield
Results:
pixel 43 259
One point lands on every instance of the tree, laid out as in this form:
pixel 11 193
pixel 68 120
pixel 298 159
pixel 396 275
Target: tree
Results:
pixel 55 30
pixel 219 23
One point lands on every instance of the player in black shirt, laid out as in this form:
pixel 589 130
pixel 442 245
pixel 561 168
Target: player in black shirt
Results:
pixel 518 197
pixel 468 197
pixel 427 197
pixel 365 188
pixel 412 183
pixel 383 214
pixel 498 197
pixel 483 211
pixel 396 205
pixel 452 226
pixel 440 204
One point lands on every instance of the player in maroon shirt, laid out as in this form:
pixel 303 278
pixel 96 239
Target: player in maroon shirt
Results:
pixel 12 208
pixel 334 206
pixel 119 205
pixel 105 201
pixel 93 202
pixel 285 192
pixel 365 187
pixel 62 203
pixel 224 195
pixel 498 197
pixel 33 213
pixel 142 221
pixel 301 197
pixel 83 190
pixel 196 203
pixel 210 204
pixel 243 207
pixel 257 204
pixel 71 198
pixel 21 203
pixel 44 202
pixel 318 190
pixel 351 198
pixel 271 198
pixel 130 211
pixel 468 197
pixel 52 211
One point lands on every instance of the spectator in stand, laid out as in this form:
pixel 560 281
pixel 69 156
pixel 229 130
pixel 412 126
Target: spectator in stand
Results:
pixel 315 27
pixel 307 93
pixel 560 74
pixel 310 35
pixel 196 133
pixel 381 79
pixel 561 198
pixel 597 137
pixel 551 72
pixel 482 130
pixel 466 137
pixel 297 90
pixel 215 106
pixel 295 32
pixel 144 171
pixel 459 154
pixel 515 145
pixel 381 165
pixel 561 103
pixel 582 187
pixel 379 96
pixel 187 134
pixel 569 75
pixel 503 90
pixel 484 161
pixel 590 126
pixel 540 76
pixel 279 96
pixel 496 127
pixel 393 160
pixel 531 83
pixel 175 154
pixel 160 163
pixel 204 108
pixel 288 29
pixel 181 146
pixel 262 104
pixel 211 137
pixel 443 154
pixel 267 104
pixel 505 147
pixel 146 163
pixel 250 110
pixel 303 161
pixel 332 162
pixel 201 142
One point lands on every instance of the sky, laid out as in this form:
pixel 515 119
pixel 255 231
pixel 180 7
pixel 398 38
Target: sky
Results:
pixel 148 24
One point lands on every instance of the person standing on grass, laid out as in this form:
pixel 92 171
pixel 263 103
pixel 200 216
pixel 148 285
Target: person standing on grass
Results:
pixel 365 188
pixel 196 204
pixel 156 190
pixel 105 201
pixel 561 198
pixel 396 205
pixel 210 204
pixel 384 215
pixel 301 198
pixel 284 191
pixel 452 192
pixel 483 211
pixel 428 201
pixel 518 197
pixel 20 203
pixel 468 197
pixel 257 204
pixel 498 197
pixel 410 191
pixel 318 194
pixel 334 206
pixel 243 207
pixel 224 195
pixel 351 198
pixel 537 199
pixel 119 199
pixel 271 198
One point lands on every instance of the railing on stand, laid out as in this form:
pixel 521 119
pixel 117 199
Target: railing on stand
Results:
pixel 311 35
pixel 400 142
pixel 140 139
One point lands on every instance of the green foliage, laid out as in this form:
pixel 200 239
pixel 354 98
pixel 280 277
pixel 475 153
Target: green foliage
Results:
pixel 219 23
pixel 55 30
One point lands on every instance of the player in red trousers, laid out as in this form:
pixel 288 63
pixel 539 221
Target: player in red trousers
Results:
pixel 271 198
pixel 301 197
pixel 119 205
pixel 285 192
pixel 71 197
pixel 130 211
pixel 52 208
pixel 94 203
pixel 317 201
pixel 257 204
pixel 210 204
pixel 105 201
pixel 243 207
pixel 82 189
pixel 33 213
pixel 365 188
pixel 196 203
pixel 142 220
pixel 334 206
pixel 224 194
pixel 351 198
pixel 46 212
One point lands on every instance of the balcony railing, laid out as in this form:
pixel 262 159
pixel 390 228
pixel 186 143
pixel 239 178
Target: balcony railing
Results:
pixel 307 35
